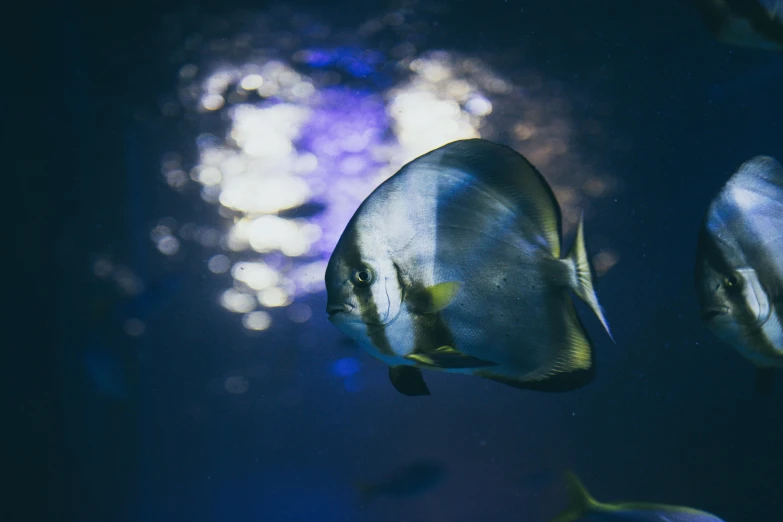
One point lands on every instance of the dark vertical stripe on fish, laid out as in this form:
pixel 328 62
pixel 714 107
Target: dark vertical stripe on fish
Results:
pixel 368 308
pixel 757 339
pixel 430 331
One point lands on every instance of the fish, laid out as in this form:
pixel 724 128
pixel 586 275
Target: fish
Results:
pixel 739 266
pixel 747 23
pixel 584 508
pixel 414 479
pixel 453 264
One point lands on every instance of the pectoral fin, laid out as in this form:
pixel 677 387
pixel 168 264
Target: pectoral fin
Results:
pixel 448 357
pixel 433 298
pixel 408 380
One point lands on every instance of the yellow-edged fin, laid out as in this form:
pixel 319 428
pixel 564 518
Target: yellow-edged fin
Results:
pixel 569 364
pixel 433 299
pixel 579 500
pixel 583 285
pixel 448 357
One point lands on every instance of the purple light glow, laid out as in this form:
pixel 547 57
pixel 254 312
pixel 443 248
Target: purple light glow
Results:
pixel 346 126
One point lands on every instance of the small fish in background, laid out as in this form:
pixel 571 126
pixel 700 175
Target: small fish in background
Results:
pixel 454 264
pixel 739 266
pixel 584 508
pixel 412 480
pixel 748 23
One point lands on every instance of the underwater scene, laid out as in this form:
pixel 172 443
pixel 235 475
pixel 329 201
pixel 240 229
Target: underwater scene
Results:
pixel 412 260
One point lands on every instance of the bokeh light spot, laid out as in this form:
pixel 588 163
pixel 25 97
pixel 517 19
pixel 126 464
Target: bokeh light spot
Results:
pixel 257 276
pixel 252 82
pixel 299 313
pixel 237 302
pixel 258 320
pixel 219 264
pixel 605 260
pixel 102 268
pixel 168 245
pixel 346 367
pixel 273 297
pixel 212 102
pixel 134 327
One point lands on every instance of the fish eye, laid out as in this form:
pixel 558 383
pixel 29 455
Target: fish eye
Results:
pixel 731 281
pixel 362 276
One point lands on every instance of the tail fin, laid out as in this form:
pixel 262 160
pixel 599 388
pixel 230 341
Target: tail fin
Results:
pixel 579 500
pixel 584 276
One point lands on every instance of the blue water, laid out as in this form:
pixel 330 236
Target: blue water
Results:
pixel 158 425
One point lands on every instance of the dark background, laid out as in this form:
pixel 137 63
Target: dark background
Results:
pixel 672 415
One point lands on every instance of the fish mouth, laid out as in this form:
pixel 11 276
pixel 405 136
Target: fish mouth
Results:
pixel 334 309
pixel 713 311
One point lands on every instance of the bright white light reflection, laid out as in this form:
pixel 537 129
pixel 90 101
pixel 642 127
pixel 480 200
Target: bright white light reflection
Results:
pixel 258 320
pixel 252 82
pixel 273 297
pixel 321 143
pixel 257 276
pixel 212 102
pixel 237 302
pixel 168 245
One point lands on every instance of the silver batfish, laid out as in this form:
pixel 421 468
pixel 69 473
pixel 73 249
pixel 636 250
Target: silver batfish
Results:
pixel 739 265
pixel 454 264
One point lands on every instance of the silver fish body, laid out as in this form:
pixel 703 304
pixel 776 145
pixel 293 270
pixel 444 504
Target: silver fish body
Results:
pixel 453 264
pixel 739 267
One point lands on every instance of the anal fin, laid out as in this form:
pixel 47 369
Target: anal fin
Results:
pixel 570 366
pixel 561 382
pixel 408 380
pixel 446 357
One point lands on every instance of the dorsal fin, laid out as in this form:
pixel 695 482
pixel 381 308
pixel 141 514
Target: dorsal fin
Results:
pixel 511 176
pixel 763 167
